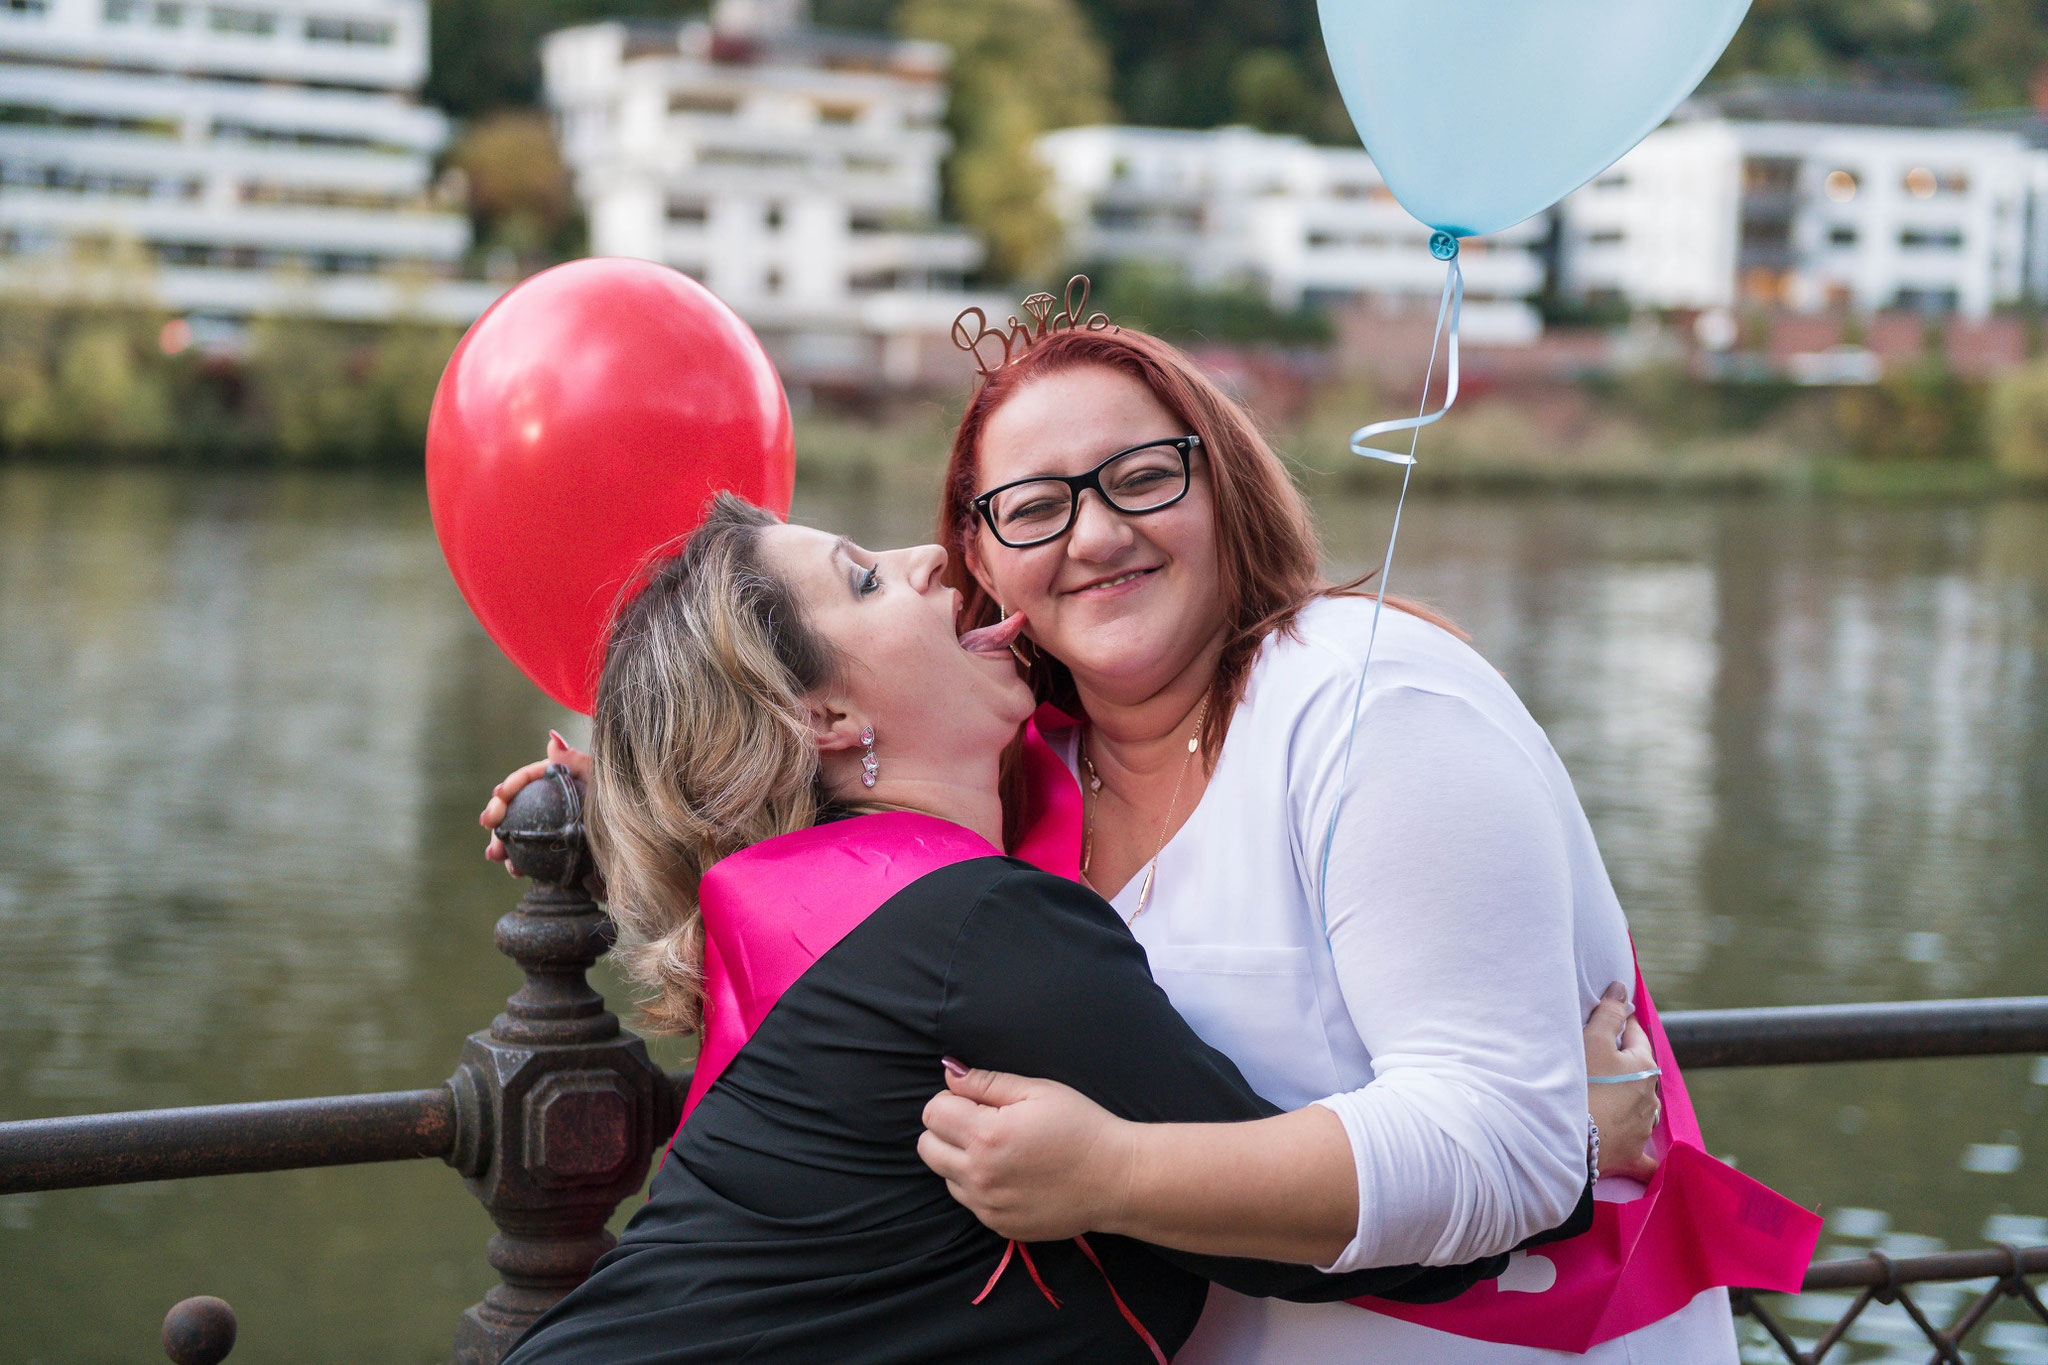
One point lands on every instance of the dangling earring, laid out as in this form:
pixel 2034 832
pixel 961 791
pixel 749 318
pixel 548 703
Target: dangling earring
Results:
pixel 867 757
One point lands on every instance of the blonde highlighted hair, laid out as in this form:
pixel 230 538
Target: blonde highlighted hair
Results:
pixel 701 744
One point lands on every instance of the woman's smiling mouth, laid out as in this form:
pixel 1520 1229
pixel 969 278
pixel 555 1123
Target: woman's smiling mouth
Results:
pixel 1107 587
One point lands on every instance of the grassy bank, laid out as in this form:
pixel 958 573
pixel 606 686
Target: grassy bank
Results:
pixel 132 386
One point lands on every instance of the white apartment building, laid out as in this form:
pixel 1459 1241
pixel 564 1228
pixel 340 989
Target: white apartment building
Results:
pixel 794 171
pixel 1308 224
pixel 1810 201
pixel 259 156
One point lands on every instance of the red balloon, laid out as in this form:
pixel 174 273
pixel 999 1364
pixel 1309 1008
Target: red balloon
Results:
pixel 584 422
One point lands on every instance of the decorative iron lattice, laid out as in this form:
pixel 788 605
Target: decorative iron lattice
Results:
pixel 1882 1279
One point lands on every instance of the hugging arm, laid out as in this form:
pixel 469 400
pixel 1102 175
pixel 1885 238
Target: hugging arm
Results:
pixel 1449 912
pixel 1045 981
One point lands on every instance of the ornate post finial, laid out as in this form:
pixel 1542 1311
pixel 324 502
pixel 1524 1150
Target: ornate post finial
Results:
pixel 558 1109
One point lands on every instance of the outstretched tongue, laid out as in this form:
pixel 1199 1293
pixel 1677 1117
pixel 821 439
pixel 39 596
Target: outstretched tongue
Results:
pixel 996 638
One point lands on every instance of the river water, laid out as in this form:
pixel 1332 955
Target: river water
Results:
pixel 246 723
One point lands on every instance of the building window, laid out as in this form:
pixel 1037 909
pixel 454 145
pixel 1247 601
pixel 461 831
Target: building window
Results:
pixel 754 160
pixel 687 212
pixel 1928 300
pixel 230 130
pixel 773 218
pixel 839 111
pixel 703 102
pixel 1117 216
pixel 359 32
pixel 773 282
pixel 1613 180
pixel 1931 239
pixel 168 15
pixel 1770 174
pixel 41 116
pixel 1604 237
pixel 121 11
pixel 870 165
pixel 1922 183
pixel 258 23
pixel 27 7
pixel 1840 186
pixel 1841 235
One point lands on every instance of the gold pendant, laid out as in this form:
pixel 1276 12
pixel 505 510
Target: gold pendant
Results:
pixel 1145 891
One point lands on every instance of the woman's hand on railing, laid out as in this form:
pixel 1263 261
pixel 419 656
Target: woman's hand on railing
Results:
pixel 559 751
pixel 1626 1111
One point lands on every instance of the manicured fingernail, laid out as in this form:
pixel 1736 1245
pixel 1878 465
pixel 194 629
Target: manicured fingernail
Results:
pixel 560 743
pixel 1616 991
pixel 953 1067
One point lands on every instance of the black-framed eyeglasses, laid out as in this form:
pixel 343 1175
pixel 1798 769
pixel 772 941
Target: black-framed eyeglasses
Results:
pixel 1145 478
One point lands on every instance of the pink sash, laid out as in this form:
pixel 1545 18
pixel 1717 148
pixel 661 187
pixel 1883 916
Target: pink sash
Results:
pixel 822 883
pixel 1700 1225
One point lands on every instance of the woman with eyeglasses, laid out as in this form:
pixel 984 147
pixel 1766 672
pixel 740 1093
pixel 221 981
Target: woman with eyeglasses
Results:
pixel 1398 948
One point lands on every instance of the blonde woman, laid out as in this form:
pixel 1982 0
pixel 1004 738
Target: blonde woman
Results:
pixel 794 802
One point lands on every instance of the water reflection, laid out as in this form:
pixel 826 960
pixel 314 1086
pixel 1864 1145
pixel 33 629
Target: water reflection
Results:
pixel 245 724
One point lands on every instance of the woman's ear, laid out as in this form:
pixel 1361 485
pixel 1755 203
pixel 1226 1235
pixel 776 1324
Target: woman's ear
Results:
pixel 836 730
pixel 977 569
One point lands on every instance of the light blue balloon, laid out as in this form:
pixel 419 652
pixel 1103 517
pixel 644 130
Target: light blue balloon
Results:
pixel 1480 113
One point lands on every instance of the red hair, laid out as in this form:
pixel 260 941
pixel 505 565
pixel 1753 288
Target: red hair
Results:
pixel 1265 538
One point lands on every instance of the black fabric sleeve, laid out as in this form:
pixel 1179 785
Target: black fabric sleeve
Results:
pixel 1045 980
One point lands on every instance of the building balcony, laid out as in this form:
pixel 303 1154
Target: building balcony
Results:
pixel 865 193
pixel 92 33
pixel 923 102
pixel 825 140
pixel 50 99
pixel 1404 270
pixel 64 214
pixel 130 154
pixel 957 251
pixel 362 297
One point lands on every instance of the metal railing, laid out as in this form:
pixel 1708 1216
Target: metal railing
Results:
pixel 1884 1280
pixel 554 1114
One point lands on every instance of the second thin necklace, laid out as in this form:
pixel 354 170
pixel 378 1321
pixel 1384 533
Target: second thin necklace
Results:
pixel 1165 823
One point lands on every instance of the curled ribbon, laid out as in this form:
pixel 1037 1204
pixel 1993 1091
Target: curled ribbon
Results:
pixel 1447 309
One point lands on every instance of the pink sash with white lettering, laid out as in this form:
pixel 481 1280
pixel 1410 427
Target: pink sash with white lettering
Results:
pixel 1700 1225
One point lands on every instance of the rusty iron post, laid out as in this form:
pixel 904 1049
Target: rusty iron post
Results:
pixel 558 1110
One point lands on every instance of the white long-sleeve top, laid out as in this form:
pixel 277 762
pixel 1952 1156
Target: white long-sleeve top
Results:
pixel 1430 990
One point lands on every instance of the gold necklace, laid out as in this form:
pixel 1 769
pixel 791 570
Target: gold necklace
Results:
pixel 1166 821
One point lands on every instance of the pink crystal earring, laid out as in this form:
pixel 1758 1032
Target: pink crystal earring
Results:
pixel 867 757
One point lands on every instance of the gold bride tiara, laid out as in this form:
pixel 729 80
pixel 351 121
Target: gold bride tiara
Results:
pixel 1017 338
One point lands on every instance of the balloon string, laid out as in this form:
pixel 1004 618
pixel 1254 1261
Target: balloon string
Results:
pixel 1447 312
pixel 1449 306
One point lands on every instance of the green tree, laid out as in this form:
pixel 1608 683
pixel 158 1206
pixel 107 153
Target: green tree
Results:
pixel 1269 90
pixel 1020 68
pixel 485 54
pixel 517 188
